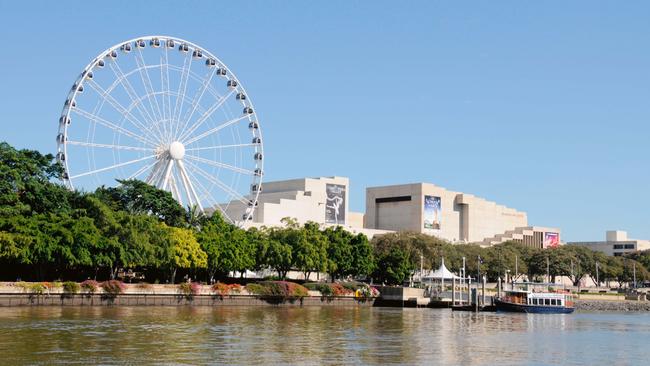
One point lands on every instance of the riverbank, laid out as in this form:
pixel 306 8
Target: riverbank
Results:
pixel 612 305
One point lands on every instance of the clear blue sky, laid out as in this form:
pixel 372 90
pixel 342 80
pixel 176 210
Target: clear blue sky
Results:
pixel 541 106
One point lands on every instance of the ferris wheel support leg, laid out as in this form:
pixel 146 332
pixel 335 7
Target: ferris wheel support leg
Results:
pixel 191 191
pixel 154 173
pixel 175 192
pixel 168 172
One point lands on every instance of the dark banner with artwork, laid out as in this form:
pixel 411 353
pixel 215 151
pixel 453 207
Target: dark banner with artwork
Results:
pixel 432 205
pixel 551 240
pixel 335 206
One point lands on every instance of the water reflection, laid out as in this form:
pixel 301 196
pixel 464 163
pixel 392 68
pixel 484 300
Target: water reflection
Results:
pixel 313 335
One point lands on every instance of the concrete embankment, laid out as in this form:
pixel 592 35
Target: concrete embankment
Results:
pixel 612 305
pixel 15 299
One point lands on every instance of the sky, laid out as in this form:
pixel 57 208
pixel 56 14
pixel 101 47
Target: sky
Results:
pixel 540 106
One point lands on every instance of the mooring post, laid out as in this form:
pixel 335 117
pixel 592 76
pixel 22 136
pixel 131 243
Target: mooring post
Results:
pixel 453 291
pixel 483 289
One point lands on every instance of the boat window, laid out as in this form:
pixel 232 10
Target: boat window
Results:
pixel 553 302
pixel 534 301
pixel 547 302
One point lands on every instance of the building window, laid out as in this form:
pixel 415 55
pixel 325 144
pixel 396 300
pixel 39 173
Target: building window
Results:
pixel 629 246
pixel 619 246
pixel 618 254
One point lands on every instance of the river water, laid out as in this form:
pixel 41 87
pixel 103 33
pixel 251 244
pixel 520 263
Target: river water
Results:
pixel 317 335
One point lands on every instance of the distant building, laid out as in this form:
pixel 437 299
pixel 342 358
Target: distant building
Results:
pixel 421 207
pixel 616 243
pixel 454 216
pixel 323 200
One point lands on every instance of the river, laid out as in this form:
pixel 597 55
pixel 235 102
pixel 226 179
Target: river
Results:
pixel 317 335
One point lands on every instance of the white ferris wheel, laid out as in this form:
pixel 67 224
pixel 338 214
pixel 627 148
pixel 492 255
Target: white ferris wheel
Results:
pixel 168 112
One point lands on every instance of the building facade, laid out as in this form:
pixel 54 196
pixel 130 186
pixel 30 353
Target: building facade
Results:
pixel 421 207
pixel 429 209
pixel 616 243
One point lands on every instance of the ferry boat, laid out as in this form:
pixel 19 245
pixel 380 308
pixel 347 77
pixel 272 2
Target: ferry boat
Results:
pixel 527 299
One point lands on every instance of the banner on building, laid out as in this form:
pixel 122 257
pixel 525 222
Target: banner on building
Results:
pixel 335 205
pixel 432 205
pixel 551 240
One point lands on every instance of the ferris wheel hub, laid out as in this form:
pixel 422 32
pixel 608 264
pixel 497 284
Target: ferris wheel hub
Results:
pixel 176 150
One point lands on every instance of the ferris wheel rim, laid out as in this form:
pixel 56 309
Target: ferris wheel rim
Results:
pixel 62 146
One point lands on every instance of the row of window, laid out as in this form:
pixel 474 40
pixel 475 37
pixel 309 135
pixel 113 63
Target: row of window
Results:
pixel 623 246
pixel 551 302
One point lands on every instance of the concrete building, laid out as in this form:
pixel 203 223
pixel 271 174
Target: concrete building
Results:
pixel 454 216
pixel 616 243
pixel 422 207
pixel 323 200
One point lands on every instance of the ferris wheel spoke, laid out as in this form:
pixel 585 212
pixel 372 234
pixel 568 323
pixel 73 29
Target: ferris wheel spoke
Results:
pixel 223 186
pixel 175 192
pixel 112 167
pixel 178 107
pixel 128 88
pixel 189 187
pixel 117 106
pixel 220 165
pixel 213 108
pixel 206 193
pixel 141 170
pixel 214 130
pixel 166 97
pixel 112 126
pixel 146 81
pixel 108 146
pixel 216 147
pixel 197 98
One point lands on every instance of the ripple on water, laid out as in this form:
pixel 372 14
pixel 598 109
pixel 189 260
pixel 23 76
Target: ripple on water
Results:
pixel 314 335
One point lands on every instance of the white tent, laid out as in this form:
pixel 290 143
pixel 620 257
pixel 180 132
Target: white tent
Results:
pixel 441 274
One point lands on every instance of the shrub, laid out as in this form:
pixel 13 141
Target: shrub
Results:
pixel 223 289
pixel 339 290
pixel 352 286
pixel 71 287
pixel 89 286
pixel 37 288
pixel 366 292
pixel 23 285
pixel 113 287
pixel 144 286
pixel 283 290
pixel 189 289
pixel 255 289
pixel 323 288
pixel 235 288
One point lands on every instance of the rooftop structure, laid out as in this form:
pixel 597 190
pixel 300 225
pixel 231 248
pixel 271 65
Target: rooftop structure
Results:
pixel 616 243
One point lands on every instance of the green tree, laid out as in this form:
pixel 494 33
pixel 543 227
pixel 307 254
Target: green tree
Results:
pixel 339 252
pixel 393 266
pixel 187 253
pixel 137 197
pixel 309 248
pixel 363 259
pixel 279 254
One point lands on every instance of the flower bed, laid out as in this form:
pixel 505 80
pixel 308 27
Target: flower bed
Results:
pixel 277 290
pixel 222 289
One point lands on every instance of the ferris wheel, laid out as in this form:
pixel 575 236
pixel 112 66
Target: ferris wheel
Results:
pixel 167 112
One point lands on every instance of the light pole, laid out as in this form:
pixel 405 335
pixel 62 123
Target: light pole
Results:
pixel 507 276
pixel 464 274
pixel 516 268
pixel 597 280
